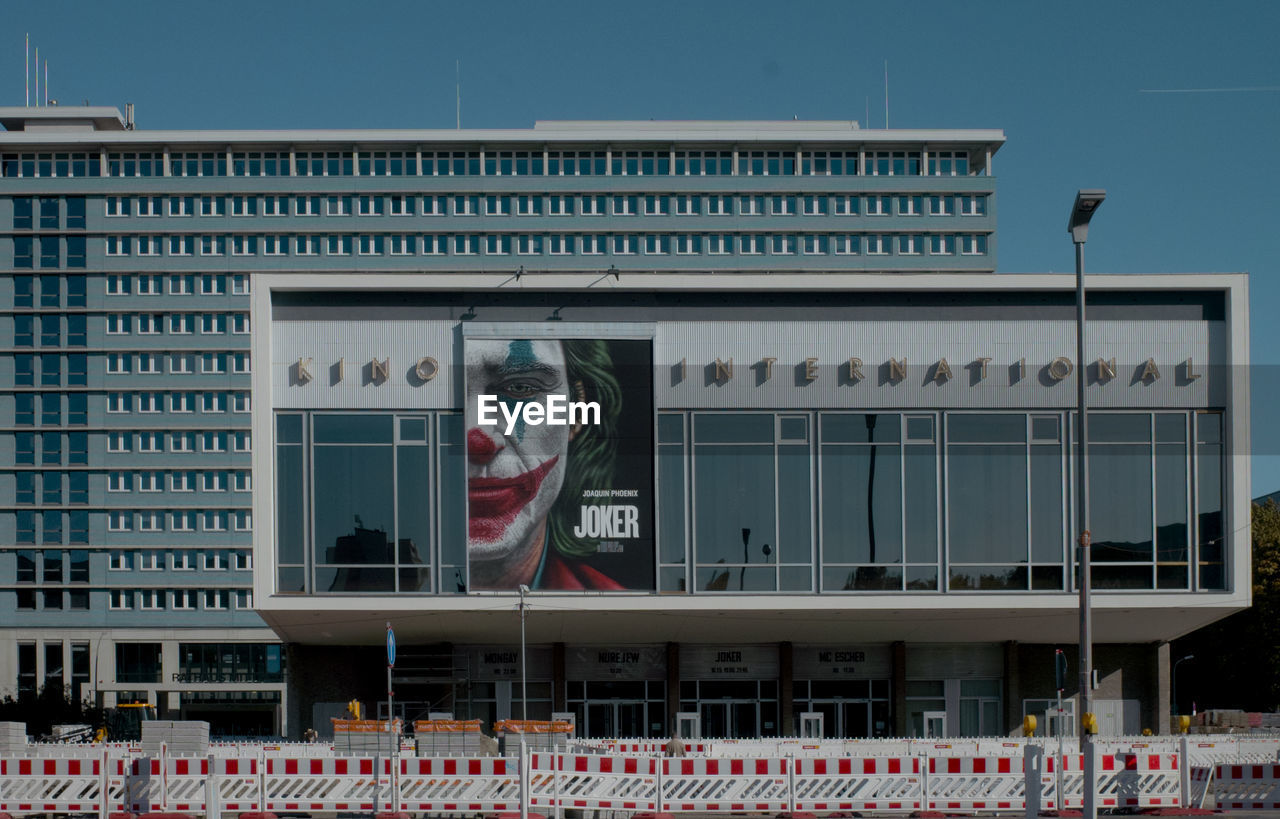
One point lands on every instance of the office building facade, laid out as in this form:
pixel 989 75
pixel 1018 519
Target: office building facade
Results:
pixel 829 470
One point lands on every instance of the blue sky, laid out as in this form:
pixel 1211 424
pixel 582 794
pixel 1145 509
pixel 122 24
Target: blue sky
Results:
pixel 1193 178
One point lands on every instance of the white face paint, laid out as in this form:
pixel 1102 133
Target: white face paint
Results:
pixel 512 479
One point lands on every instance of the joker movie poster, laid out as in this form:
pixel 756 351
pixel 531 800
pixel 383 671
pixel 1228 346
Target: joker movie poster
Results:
pixel 559 464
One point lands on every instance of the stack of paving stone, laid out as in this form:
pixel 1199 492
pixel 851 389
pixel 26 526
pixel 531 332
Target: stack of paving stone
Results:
pixel 13 739
pixel 452 737
pixel 538 735
pixel 181 737
pixel 363 737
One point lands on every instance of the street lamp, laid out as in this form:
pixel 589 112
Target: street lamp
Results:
pixel 524 674
pixel 1087 202
pixel 1173 675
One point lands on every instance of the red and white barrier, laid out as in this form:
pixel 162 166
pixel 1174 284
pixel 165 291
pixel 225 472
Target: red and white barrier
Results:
pixel 974 783
pixel 593 782
pixel 1248 787
pixel 864 784
pixel 584 781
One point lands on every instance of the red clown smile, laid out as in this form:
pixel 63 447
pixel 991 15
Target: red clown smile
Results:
pixel 492 503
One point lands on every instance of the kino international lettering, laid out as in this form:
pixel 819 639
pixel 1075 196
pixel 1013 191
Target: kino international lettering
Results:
pixel 377 371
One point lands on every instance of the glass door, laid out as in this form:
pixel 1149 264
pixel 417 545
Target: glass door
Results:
pixel 730 719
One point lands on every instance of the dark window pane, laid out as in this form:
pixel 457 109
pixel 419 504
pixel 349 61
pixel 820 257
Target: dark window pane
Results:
pixel 1120 502
pixel 1209 534
pixel 841 428
pixel 862 578
pixel 861 504
pixel 981 578
pixel 413 470
pixel 671 502
pixel 290 521
pixel 1121 577
pixel 964 428
pixel 288 429
pixel 733 428
pixel 354 516
pixel 352 429
pixel 1106 427
pixel 1047 525
pixel 1171 502
pixel 987 504
pixel 920 494
pixel 735 507
pixel 795 504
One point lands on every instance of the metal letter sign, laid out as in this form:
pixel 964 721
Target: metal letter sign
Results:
pixel 391 645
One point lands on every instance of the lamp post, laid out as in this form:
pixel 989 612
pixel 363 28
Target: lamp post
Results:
pixel 1173 675
pixel 1087 202
pixel 524 674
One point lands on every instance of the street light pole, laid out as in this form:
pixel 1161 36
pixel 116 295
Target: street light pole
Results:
pixel 1087 201
pixel 1173 675
pixel 524 673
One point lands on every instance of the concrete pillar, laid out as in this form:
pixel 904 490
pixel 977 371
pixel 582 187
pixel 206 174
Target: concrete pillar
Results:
pixel 1012 690
pixel 1158 698
pixel 786 689
pixel 898 684
pixel 673 686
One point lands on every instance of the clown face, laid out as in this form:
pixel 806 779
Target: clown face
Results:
pixel 513 478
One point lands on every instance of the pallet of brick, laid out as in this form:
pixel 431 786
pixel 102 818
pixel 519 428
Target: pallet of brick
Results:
pixel 449 737
pixel 13 738
pixel 364 737
pixel 538 735
pixel 180 737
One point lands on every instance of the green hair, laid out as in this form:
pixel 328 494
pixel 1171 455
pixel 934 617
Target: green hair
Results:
pixel 592 453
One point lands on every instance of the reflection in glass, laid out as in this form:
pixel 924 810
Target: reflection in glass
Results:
pixel 861 504
pixel 1120 502
pixel 734 487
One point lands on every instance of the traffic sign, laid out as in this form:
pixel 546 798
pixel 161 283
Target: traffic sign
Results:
pixel 391 645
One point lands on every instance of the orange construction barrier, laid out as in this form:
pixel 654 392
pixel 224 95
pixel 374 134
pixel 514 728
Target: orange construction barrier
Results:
pixel 532 726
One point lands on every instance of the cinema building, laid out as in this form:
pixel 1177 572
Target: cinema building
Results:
pixel 821 461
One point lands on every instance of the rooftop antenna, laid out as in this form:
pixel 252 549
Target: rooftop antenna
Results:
pixel 457 69
pixel 37 75
pixel 886 95
pixel 866 123
pixel 46 80
pixel 26 73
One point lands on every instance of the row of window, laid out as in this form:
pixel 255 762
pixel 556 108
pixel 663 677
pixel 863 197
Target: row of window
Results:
pixel 154 402
pixel 51 250
pixel 120 324
pixel 117 324
pixel 148 560
pixel 550 205
pixel 239 441
pixel 24 366
pixel 557 244
pixel 50 210
pixel 146 402
pixel 52 287
pixel 179 520
pixel 179 599
pixel 73 565
pixel 47 487
pixel 77 444
pixel 496 162
pixel 954 501
pixel 141 599
pixel 50 523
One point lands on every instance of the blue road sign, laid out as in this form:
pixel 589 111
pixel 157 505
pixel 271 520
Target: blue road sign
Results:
pixel 391 646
